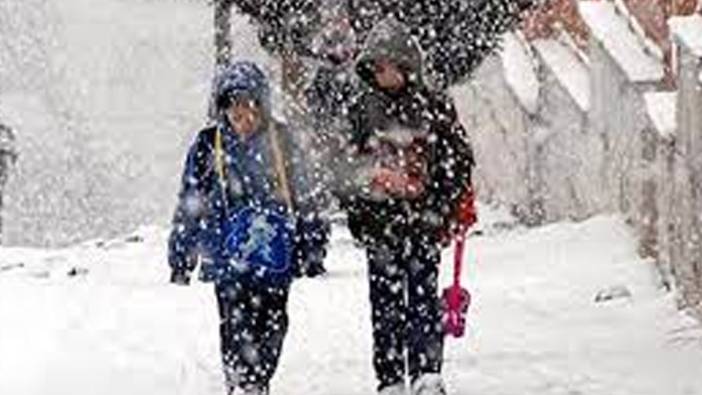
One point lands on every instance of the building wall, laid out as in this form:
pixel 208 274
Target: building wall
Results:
pixel 494 118
pixel 686 246
pixel 567 168
pixel 611 158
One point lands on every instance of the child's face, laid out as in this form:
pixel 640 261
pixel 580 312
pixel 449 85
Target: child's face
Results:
pixel 388 76
pixel 244 116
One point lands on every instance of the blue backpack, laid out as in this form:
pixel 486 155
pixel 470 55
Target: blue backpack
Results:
pixel 258 240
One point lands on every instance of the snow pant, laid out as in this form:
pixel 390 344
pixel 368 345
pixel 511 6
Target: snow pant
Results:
pixel 254 322
pixel 406 310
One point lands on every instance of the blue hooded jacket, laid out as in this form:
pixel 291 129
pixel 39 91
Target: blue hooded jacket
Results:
pixel 248 181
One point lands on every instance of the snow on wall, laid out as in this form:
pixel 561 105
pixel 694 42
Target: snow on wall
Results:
pixel 539 173
pixel 494 117
pixel 583 143
pixel 688 30
pixel 635 25
pixel 567 67
pixel 620 41
pixel 105 96
pixel 519 71
pixel 661 108
pixel 569 156
pixel 603 139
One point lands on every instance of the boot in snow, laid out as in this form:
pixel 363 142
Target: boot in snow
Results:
pixel 429 384
pixel 397 389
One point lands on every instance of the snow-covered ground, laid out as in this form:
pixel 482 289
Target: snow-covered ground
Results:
pixel 100 318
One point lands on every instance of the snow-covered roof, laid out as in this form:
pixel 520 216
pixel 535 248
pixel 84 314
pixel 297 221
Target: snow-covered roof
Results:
pixel 570 71
pixel 661 107
pixel 688 31
pixel 621 42
pixel 520 72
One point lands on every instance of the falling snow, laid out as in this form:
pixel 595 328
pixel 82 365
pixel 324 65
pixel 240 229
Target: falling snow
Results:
pixel 329 227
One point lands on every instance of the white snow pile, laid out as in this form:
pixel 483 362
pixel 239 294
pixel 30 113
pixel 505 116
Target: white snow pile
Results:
pixel 520 71
pixel 621 42
pixel 100 318
pixel 568 69
pixel 688 30
pixel 661 108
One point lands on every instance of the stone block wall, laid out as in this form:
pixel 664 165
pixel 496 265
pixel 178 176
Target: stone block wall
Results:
pixel 603 135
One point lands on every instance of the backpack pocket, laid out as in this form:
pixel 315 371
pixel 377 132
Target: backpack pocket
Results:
pixel 258 243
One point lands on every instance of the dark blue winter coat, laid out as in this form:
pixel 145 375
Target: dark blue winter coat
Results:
pixel 249 181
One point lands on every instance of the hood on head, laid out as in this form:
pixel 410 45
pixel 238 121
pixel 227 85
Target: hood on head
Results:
pixel 391 40
pixel 242 80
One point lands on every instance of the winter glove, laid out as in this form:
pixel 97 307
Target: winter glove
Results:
pixel 310 249
pixel 309 259
pixel 310 268
pixel 180 277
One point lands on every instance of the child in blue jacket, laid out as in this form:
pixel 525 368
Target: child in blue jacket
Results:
pixel 232 167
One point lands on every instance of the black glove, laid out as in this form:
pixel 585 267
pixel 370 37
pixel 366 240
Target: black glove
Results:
pixel 310 248
pixel 316 269
pixel 311 268
pixel 180 277
pixel 308 264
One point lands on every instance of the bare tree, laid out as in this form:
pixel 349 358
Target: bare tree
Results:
pixel 222 32
pixel 8 156
pixel 291 65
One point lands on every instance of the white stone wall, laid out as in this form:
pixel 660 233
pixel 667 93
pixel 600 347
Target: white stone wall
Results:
pixel 683 245
pixel 567 155
pixel 494 118
pixel 539 159
pixel 631 148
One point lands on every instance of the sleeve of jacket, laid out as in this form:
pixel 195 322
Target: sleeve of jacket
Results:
pixel 452 165
pixel 188 220
pixel 313 226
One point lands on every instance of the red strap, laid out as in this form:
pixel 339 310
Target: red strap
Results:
pixel 458 259
pixel 467 217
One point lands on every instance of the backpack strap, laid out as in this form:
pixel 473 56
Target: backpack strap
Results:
pixel 282 180
pixel 282 184
pixel 219 166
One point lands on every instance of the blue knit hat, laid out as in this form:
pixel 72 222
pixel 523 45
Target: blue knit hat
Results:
pixel 241 80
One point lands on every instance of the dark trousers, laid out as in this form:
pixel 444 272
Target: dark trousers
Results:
pixel 406 309
pixel 254 322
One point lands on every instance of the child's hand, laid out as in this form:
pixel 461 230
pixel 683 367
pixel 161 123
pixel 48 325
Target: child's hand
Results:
pixel 310 269
pixel 180 277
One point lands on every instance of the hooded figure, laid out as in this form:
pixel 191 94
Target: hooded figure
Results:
pixel 411 134
pixel 250 180
pixel 408 167
pixel 232 166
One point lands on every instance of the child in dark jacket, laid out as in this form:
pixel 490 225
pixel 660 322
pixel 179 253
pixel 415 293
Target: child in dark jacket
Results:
pixel 411 164
pixel 246 163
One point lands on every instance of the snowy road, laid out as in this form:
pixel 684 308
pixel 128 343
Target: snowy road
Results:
pixel 102 320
